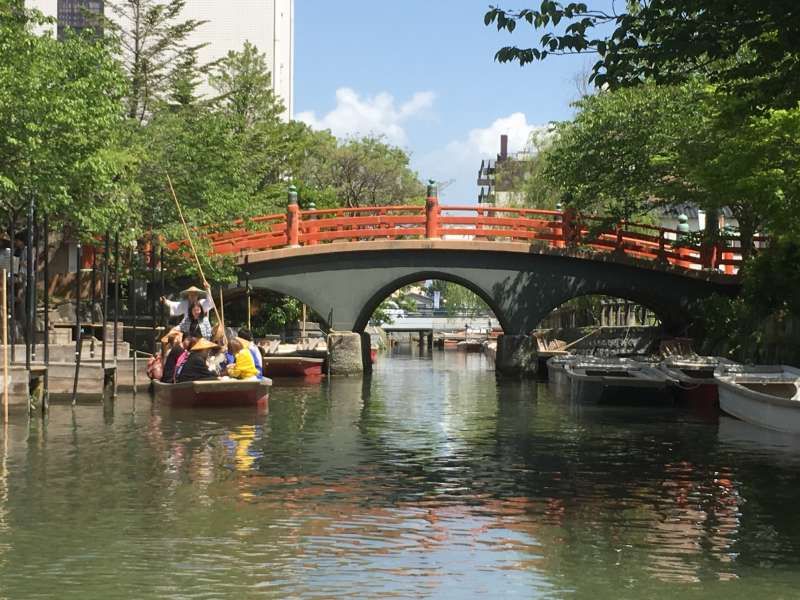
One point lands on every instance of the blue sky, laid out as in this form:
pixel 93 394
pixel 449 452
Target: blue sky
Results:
pixel 422 73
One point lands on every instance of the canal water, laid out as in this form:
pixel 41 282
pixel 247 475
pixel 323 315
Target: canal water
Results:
pixel 429 479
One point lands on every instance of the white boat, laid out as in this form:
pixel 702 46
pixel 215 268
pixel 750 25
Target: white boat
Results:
pixel 617 380
pixel 765 395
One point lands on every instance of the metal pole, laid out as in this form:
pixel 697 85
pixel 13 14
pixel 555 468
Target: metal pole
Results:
pixel 132 308
pixel 78 337
pixel 5 353
pixel 46 300
pixel 116 294
pixel 116 310
pixel 12 293
pixel 151 294
pixel 247 287
pixel 29 308
pixel 93 283
pixel 34 298
pixel 106 250
pixel 162 290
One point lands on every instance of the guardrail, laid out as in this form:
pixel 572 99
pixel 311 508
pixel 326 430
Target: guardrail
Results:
pixel 549 228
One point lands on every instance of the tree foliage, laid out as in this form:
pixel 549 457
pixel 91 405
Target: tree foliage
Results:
pixel 748 48
pixel 60 124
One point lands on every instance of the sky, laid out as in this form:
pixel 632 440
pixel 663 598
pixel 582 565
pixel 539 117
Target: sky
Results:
pixel 422 74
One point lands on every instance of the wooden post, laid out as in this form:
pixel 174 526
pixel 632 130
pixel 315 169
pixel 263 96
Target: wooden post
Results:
pixel 432 212
pixel 662 243
pixel 93 298
pixel 247 288
pixel 293 218
pixel 6 382
pixel 30 282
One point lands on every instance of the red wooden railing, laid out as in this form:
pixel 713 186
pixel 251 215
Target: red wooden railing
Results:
pixel 546 228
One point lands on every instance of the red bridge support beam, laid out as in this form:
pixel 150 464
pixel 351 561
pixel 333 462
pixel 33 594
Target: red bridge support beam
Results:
pixel 293 219
pixel 432 212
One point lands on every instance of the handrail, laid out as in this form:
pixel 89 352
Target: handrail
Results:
pixel 552 228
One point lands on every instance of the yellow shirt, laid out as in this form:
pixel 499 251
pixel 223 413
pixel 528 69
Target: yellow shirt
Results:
pixel 244 367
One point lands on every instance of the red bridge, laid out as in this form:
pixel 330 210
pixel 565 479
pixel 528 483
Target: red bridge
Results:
pixel 539 229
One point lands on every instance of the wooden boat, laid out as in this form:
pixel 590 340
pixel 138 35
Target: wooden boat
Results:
pixel 693 377
pixel 214 392
pixel 616 380
pixel 292 366
pixel 764 395
pixel 469 346
pixel 556 368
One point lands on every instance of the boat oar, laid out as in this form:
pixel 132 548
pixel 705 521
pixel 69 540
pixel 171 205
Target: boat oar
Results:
pixel 581 339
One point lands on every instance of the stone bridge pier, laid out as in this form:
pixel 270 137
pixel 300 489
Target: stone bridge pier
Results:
pixel 345 283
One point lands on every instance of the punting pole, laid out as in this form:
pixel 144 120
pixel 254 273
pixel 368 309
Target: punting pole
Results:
pixel 6 382
pixel 34 298
pixel 78 336
pixel 163 321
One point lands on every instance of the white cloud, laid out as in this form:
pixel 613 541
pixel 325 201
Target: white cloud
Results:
pixel 378 115
pixel 460 159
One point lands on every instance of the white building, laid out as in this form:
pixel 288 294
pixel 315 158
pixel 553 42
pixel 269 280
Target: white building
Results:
pixel 267 24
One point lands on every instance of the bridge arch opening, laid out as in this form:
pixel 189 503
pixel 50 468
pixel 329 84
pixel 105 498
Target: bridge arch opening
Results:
pixel 601 324
pixel 271 313
pixel 430 302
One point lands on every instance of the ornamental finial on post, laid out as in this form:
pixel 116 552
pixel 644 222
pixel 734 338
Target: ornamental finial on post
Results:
pixel 292 194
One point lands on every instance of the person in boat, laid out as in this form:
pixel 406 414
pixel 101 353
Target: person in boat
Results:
pixel 182 308
pixel 175 349
pixel 197 325
pixel 196 366
pixel 244 367
pixel 247 335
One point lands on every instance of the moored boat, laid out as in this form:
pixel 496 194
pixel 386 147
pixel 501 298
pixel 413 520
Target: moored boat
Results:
pixel 469 346
pixel 292 366
pixel 490 351
pixel 556 368
pixel 620 380
pixel 693 377
pixel 215 392
pixel 764 395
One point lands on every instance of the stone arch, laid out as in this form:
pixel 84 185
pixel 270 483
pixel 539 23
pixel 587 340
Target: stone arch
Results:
pixel 386 290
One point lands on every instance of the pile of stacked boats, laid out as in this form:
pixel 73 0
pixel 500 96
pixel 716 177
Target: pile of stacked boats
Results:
pixel 767 396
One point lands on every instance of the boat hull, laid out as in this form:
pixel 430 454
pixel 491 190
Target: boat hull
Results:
pixel 214 393
pixel 777 416
pixel 293 366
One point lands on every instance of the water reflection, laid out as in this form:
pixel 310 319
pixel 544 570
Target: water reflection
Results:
pixel 430 478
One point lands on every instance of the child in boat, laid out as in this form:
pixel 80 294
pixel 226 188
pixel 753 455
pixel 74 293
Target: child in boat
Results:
pixel 244 367
pixel 196 366
pixel 246 335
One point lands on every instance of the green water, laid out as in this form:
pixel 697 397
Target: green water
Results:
pixel 427 480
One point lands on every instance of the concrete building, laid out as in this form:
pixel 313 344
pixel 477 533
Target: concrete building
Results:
pixel 500 179
pixel 71 14
pixel 267 24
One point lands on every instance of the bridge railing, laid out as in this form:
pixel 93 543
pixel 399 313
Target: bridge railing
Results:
pixel 549 228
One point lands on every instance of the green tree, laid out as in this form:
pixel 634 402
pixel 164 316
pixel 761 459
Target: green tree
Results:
pixel 154 49
pixel 362 172
pixel 60 125
pixel 748 48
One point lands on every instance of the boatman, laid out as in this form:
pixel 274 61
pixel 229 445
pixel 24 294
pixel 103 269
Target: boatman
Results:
pixel 192 295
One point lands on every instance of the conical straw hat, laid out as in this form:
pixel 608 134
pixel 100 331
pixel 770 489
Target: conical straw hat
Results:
pixel 205 345
pixel 193 290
